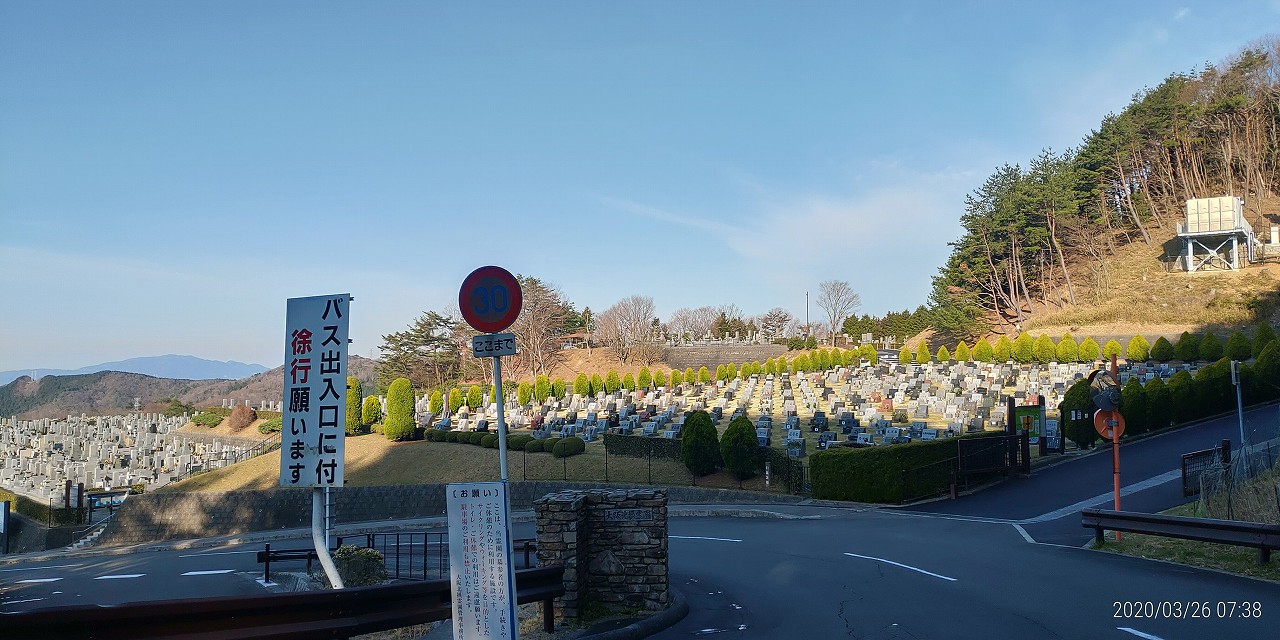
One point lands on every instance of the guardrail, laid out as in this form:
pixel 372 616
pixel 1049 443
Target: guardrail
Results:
pixel 1263 537
pixel 340 613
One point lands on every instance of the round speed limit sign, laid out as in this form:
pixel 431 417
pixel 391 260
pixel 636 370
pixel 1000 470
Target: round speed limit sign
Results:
pixel 490 299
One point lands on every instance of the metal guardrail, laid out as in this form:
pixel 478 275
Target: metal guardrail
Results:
pixel 1263 537
pixel 338 613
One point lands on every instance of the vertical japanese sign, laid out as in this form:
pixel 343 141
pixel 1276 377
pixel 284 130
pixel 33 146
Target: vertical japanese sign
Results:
pixel 315 379
pixel 481 576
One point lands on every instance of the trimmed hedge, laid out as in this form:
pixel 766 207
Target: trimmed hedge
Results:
pixel 571 446
pixel 641 446
pixel 489 441
pixel 874 474
pixel 533 446
pixel 476 437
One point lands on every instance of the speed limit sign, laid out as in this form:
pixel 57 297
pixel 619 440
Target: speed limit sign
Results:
pixel 490 299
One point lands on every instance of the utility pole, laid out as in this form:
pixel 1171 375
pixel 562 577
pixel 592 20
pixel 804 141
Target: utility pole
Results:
pixel 806 315
pixel 1235 380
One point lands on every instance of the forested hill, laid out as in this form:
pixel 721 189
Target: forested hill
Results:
pixel 1042 236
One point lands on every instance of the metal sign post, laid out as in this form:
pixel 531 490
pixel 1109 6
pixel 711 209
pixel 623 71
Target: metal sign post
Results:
pixel 490 300
pixel 1108 421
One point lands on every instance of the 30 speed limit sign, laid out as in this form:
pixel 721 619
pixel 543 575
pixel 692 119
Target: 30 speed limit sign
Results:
pixel 490 299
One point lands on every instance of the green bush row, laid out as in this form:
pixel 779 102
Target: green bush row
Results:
pixel 515 442
pixel 875 474
pixel 641 446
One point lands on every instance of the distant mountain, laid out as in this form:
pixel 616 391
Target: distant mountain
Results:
pixel 168 366
pixel 112 392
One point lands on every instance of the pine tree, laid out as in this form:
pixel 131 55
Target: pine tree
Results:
pixel 1068 350
pixel 1159 403
pixel 699 444
pixel 1133 403
pixel 739 448
pixel 1138 349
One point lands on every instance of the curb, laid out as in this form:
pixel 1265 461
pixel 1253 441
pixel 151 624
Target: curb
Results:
pixel 675 612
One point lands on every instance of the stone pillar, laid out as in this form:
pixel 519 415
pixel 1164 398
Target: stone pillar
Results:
pixel 562 521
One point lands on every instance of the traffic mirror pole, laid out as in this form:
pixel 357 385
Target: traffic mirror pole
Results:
pixel 1115 446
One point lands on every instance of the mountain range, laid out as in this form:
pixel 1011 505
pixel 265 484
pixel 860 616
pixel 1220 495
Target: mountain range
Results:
pixel 167 366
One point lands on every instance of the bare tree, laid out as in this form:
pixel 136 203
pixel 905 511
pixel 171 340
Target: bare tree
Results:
pixel 695 323
pixel 628 327
pixel 542 325
pixel 774 321
pixel 838 299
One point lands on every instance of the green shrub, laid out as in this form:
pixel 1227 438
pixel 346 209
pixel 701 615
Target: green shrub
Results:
pixel 1264 375
pixel 434 435
pixel 1162 350
pixel 371 411
pixel 1182 396
pixel 801 364
pixel 1188 347
pixel 1089 351
pixel 944 355
pixel 659 378
pixel 699 444
pixel 1078 427
pixel 962 353
pixel 629 382
pixel 273 425
pixel 677 377
pixel 1214 391
pixel 517 441
pixel 1024 349
pixel 354 395
pixel 524 393
pixel 875 474
pixel 1210 348
pixel 612 382
pixel 557 388
pixel 582 385
pixel 597 384
pixel 704 375
pixel 904 355
pixel 549 444
pixel 452 436
pixel 982 351
pixel 739 448
pixel 1133 405
pixel 476 437
pixel 922 352
pixel 436 402
pixel 1238 347
pixel 1159 404
pixel 359 566
pixel 207 419
pixel 1003 350
pixel 489 441
pixel 1111 348
pixel 399 423
pixel 869 353
pixel 1137 350
pixel 541 387
pixel 456 400
pixel 1045 350
pixel 641 447
pixel 1067 349
pixel 475 397
pixel 533 446
pixel 571 446
pixel 1262 337
pixel 644 379
pixel 690 376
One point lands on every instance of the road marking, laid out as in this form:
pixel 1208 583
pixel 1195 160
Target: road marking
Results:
pixel 940 516
pixel 1105 497
pixel 904 566
pixel 208 573
pixel 215 553
pixel 56 566
pixel 120 576
pixel 34 580
pixel 704 538
pixel 1139 633
pixel 20 601
pixel 1025 536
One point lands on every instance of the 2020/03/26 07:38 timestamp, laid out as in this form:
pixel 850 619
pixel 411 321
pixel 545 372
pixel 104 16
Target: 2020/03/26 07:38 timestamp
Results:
pixel 1186 610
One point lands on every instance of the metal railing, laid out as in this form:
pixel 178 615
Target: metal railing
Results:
pixel 424 555
pixel 1263 537
pixel 340 613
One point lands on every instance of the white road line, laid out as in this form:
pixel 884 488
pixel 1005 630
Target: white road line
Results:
pixel 34 580
pixel 56 566
pixel 704 538
pixel 1139 633
pixel 1025 536
pixel 1105 497
pixel 208 573
pixel 215 553
pixel 20 601
pixel 120 576
pixel 899 564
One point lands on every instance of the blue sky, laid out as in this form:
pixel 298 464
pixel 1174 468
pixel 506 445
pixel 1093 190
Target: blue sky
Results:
pixel 171 172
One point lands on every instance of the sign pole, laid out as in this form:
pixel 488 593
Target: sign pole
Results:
pixel 1115 447
pixel 502 422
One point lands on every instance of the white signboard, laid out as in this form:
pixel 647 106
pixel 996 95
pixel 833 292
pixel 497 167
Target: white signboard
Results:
pixel 315 386
pixel 480 571
pixel 493 344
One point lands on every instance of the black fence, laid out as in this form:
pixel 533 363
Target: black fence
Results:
pixel 424 555
pixel 1197 463
pixel 340 613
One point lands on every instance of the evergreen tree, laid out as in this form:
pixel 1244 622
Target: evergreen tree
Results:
pixel 524 393
pixel 783 365
pixel 677 377
pixel 962 353
pixel 1138 349
pixel 474 398
pixel 943 354
pixel 597 384
pixel 1045 350
pixel 541 387
pixel 800 364
pixel 612 382
pixel 770 367
pixel 371 411
pixel 435 403
pixel 1188 347
pixel 1068 350
pixel 1182 396
pixel 629 382
pixel 1111 348
pixel 659 378
pixel 644 379
pixel 354 395
pixel 1089 351
pixel 1162 350
pixel 1210 348
pixel 1003 351
pixel 922 353
pixel 1024 349
pixel 699 444
pixel 1238 347
pixel 1262 337
pixel 868 352
pixel 739 448
pixel 456 400
pixel 1076 414
pixel 1214 391
pixel 1159 403
pixel 1133 404
pixel 982 351
pixel 582 385
pixel 704 375
pixel 399 424
pixel 904 356
pixel 558 387
pixel 1264 375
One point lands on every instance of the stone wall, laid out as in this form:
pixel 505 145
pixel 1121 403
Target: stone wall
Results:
pixel 711 356
pixel 159 516
pixel 613 545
